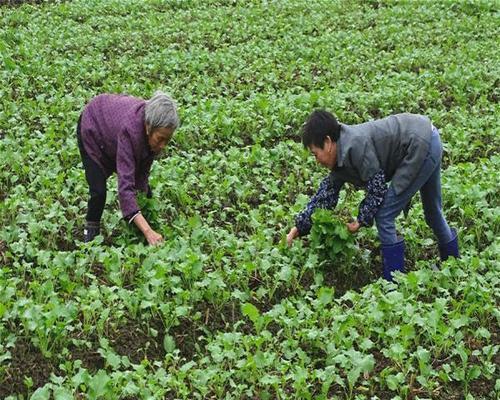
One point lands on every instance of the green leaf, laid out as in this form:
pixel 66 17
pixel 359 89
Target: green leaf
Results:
pixel 367 363
pixel 98 384
pixel 9 63
pixel 395 381
pixel 42 393
pixel 249 310
pixel 113 360
pixel 169 344
pixel 474 372
pixel 325 295
pixel 181 311
pixel 285 273
pixel 481 332
pixel 62 394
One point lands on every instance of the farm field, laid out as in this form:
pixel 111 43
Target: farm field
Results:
pixel 224 309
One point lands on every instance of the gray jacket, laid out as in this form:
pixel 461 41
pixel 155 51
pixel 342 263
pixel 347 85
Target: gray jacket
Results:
pixel 397 145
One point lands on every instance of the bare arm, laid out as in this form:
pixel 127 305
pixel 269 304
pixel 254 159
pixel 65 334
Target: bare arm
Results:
pixel 151 236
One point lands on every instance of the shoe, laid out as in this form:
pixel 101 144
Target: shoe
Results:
pixel 91 230
pixel 451 248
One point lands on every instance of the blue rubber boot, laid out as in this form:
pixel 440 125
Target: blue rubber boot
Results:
pixel 393 257
pixel 451 248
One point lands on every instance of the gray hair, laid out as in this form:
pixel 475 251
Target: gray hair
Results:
pixel 161 112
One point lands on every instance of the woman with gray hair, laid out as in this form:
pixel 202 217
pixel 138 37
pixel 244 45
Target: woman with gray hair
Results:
pixel 123 134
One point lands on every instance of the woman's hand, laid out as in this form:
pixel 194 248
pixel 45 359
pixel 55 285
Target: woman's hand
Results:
pixel 294 232
pixel 153 237
pixel 353 227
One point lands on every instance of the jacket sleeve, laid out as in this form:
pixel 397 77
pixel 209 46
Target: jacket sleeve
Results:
pixel 327 196
pixel 375 194
pixel 126 172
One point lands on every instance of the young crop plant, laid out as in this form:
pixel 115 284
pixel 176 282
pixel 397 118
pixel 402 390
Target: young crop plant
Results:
pixel 332 241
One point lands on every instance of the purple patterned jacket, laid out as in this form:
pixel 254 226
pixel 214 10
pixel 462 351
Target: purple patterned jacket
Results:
pixel 114 136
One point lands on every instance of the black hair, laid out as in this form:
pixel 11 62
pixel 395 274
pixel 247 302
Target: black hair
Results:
pixel 318 126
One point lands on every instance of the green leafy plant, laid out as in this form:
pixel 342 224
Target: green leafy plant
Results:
pixel 331 239
pixel 231 311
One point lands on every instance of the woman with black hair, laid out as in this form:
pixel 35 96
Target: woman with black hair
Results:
pixel 391 158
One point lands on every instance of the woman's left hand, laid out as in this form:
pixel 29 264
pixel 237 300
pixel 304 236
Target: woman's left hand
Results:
pixel 353 227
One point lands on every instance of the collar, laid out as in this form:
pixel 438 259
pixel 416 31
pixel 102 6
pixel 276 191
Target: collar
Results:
pixel 340 146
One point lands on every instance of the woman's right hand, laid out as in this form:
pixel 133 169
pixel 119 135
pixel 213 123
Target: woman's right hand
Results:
pixel 153 237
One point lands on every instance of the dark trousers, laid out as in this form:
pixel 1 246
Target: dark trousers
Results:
pixel 96 181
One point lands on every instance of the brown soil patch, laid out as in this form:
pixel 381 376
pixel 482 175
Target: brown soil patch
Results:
pixel 133 340
pixel 26 361
pixel 3 252
pixel 16 3
pixel 90 358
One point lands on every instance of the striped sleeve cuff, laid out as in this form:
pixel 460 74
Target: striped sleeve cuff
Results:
pixel 134 215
